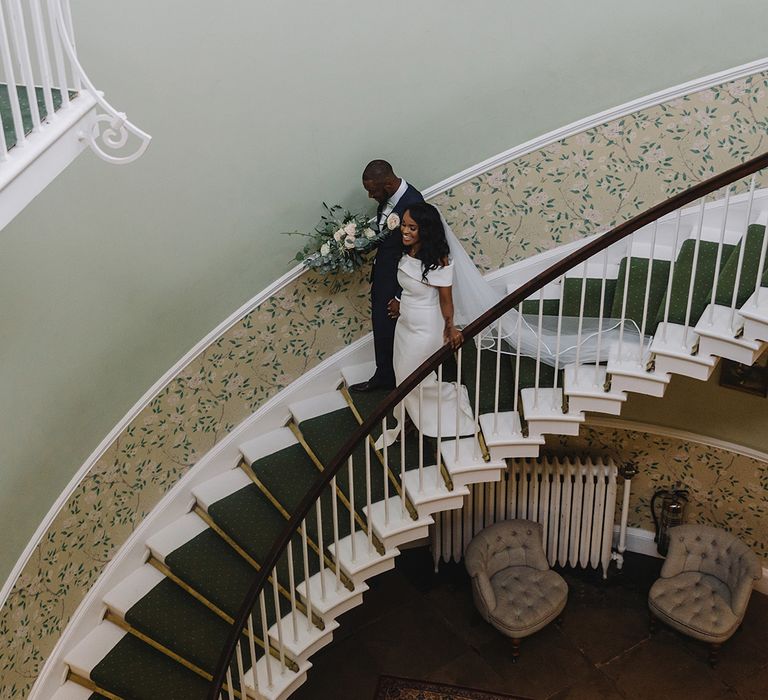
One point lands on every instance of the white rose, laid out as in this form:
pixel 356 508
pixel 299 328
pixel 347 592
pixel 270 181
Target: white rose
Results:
pixel 349 243
pixel 339 234
pixel 350 229
pixel 369 233
pixel 325 249
pixel 393 221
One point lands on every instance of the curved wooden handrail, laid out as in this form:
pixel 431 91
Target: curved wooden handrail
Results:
pixel 522 293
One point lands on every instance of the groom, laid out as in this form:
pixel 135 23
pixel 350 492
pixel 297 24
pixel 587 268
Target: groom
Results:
pixel 394 196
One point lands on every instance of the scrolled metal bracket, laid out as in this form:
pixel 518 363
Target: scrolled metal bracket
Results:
pixel 111 130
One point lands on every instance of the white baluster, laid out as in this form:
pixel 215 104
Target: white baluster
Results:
pixel 335 510
pixel 19 31
pixel 252 650
pixel 230 686
pixel 761 267
pixel 479 345
pixel 350 476
pixel 368 484
pixel 69 25
pixel 402 460
pixel 3 144
pixel 718 260
pixel 320 546
pixel 305 561
pixel 600 315
pixel 582 301
pixel 458 412
pixel 439 424
pixel 694 267
pixel 10 79
pixel 538 350
pixel 421 442
pixel 292 590
pixel 648 278
pixel 496 383
pixel 58 54
pixel 278 618
pixel 627 270
pixel 241 668
pixel 742 248
pixel 668 297
pixel 518 353
pixel 557 343
pixel 386 477
pixel 42 57
pixel 265 636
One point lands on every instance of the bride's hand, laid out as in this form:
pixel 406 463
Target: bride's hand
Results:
pixel 454 336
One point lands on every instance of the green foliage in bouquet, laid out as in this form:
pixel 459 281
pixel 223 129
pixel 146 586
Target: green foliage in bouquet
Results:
pixel 338 242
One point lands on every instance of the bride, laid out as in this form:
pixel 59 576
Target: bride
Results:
pixel 425 322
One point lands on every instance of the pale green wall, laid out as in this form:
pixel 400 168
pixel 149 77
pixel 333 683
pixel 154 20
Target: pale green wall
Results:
pixel 260 110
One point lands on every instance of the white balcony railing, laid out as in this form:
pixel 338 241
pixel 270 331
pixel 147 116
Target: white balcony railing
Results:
pixel 41 81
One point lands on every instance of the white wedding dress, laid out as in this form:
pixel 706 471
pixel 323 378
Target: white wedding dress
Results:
pixel 419 334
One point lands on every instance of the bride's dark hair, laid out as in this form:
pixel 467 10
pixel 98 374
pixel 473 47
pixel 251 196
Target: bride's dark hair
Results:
pixel 434 246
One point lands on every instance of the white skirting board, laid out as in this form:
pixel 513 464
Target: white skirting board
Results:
pixel 641 542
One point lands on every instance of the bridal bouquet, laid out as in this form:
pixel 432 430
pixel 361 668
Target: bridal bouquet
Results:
pixel 338 241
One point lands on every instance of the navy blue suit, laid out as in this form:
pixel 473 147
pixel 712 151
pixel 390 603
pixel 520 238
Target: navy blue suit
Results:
pixel 384 287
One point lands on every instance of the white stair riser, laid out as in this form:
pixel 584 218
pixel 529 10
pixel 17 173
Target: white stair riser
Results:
pixel 755 330
pixel 300 654
pixel 430 507
pixel 595 405
pixel 540 426
pixel 330 613
pixel 731 351
pixel 370 571
pixel 476 476
pixel 637 385
pixel 392 541
pixel 514 451
pixel 666 364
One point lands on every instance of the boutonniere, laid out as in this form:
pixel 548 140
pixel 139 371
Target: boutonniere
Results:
pixel 393 221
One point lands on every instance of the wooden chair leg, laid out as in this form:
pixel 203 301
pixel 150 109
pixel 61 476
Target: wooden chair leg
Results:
pixel 714 649
pixel 515 650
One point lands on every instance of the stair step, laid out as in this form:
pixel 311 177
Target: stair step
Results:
pixel 753 242
pixel 638 281
pixel 156 607
pixel 220 487
pixel 504 438
pixel 432 495
pixel 543 413
pixel 303 641
pixel 315 406
pixel 284 681
pixel 337 599
pixel 74 691
pixel 673 351
pixel 585 390
pixel 355 374
pixel 393 525
pixel 268 444
pixel 204 562
pixel 628 373
pixel 364 562
pixel 468 466
pixel 755 316
pixel 120 663
pixel 717 336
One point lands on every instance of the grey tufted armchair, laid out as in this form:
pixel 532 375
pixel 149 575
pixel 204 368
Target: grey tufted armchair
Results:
pixel 705 584
pixel 512 585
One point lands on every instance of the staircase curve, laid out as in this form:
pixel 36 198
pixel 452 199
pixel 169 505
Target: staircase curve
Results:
pixel 236 595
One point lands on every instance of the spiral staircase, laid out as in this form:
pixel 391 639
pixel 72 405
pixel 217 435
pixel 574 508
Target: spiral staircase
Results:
pixel 272 552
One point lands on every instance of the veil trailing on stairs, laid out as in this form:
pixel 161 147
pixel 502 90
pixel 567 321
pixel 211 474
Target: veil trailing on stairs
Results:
pixel 556 340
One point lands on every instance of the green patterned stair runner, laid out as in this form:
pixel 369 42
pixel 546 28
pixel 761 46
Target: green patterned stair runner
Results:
pixel 26 112
pixel 253 516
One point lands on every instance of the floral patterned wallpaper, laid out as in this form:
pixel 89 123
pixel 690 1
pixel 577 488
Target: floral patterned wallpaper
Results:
pixel 570 189
pixel 726 489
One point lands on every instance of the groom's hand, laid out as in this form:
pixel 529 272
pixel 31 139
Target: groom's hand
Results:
pixel 393 308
